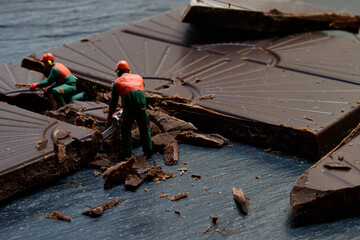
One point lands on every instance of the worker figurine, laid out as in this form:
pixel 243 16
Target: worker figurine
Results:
pixel 133 100
pixel 61 83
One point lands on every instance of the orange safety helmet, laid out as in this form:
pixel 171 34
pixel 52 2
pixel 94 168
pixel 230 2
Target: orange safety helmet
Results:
pixel 47 57
pixel 122 65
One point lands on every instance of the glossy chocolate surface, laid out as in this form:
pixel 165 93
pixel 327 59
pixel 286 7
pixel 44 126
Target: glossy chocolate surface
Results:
pixel 308 82
pixel 23 163
pixel 20 132
pixel 14 88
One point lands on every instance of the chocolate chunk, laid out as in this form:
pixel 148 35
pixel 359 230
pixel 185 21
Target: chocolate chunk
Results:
pixel 99 210
pixel 330 189
pixel 179 196
pixel 214 219
pixel 156 173
pixel 207 229
pixel 168 123
pixel 163 139
pixel 140 163
pixel 133 180
pixel 118 174
pixel 337 165
pixel 24 166
pixel 241 200
pixel 171 153
pixel 87 114
pixel 271 16
pixel 59 216
pixel 198 139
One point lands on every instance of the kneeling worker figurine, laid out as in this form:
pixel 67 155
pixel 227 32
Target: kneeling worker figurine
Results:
pixel 61 82
pixel 133 100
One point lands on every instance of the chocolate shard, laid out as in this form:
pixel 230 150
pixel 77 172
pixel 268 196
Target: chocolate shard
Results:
pixel 117 174
pixel 179 196
pixel 99 210
pixel 171 153
pixel 59 216
pixel 140 163
pixel 155 173
pixel 14 88
pixel 330 189
pixel 241 200
pixel 198 139
pixel 23 166
pixel 268 16
pixel 87 114
pixel 163 139
pixel 337 165
pixel 169 123
pixel 214 219
pixel 133 180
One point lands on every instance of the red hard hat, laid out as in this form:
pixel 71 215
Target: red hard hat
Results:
pixel 47 57
pixel 122 65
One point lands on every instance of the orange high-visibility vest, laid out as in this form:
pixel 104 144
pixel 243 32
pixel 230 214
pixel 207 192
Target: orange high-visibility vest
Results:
pixel 64 71
pixel 128 83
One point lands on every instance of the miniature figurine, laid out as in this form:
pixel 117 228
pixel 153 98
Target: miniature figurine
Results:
pixel 133 100
pixel 61 83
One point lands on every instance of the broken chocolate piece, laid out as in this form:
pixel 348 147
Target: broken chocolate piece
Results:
pixel 99 210
pixel 87 114
pixel 155 173
pixel 179 196
pixel 23 166
pixel 214 219
pixel 169 123
pixel 163 139
pixel 163 195
pixel 59 216
pixel 117 174
pixel 140 162
pixel 324 193
pixel 241 200
pixel 207 229
pixel 198 139
pixel 133 180
pixel 268 16
pixel 336 165
pixel 171 153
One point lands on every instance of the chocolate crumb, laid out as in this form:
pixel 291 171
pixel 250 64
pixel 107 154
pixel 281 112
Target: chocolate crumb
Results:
pixel 207 229
pixel 58 216
pixel 181 195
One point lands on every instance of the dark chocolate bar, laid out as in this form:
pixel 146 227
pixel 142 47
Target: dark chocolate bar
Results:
pixel 33 150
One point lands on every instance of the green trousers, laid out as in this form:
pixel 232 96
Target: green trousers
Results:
pixel 65 94
pixel 142 118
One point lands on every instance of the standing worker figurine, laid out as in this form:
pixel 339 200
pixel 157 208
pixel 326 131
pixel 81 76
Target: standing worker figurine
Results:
pixel 61 82
pixel 133 100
